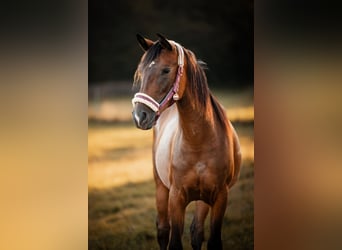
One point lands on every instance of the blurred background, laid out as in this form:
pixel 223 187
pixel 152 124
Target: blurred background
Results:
pixel 121 210
pixel 218 32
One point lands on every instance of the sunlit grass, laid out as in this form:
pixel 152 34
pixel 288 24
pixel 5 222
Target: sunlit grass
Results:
pixel 118 155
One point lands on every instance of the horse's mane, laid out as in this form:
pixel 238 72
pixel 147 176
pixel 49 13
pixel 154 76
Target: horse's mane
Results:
pixel 198 87
pixel 219 111
pixel 197 80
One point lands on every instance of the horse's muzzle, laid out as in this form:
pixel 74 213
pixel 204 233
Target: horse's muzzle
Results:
pixel 143 117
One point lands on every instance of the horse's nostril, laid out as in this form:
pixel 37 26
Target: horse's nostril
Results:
pixel 143 116
pixel 143 119
pixel 140 118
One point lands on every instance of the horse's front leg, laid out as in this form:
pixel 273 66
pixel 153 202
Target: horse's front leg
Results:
pixel 177 203
pixel 163 225
pixel 217 213
pixel 197 225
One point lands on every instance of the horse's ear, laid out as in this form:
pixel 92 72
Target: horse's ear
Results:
pixel 164 42
pixel 144 42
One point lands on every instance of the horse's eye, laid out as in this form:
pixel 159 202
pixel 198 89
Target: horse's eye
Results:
pixel 165 71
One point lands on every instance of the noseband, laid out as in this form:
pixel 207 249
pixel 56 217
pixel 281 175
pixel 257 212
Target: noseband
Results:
pixel 171 95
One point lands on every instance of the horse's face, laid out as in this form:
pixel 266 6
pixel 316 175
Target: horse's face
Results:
pixel 155 75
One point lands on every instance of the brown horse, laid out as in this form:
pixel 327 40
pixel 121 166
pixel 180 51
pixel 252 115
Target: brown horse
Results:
pixel 196 152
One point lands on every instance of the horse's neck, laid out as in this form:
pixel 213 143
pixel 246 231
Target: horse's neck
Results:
pixel 197 124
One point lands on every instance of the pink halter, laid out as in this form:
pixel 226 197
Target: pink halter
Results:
pixel 173 93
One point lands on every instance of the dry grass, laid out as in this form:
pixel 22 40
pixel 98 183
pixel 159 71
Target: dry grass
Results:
pixel 118 155
pixel 122 210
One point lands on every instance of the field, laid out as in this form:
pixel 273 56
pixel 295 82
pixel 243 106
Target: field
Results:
pixel 121 210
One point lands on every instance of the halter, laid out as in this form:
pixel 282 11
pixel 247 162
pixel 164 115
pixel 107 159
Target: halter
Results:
pixel 173 93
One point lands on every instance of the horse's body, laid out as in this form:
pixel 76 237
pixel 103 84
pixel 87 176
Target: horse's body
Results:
pixel 196 153
pixel 200 159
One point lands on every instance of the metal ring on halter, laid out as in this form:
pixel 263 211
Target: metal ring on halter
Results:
pixel 173 93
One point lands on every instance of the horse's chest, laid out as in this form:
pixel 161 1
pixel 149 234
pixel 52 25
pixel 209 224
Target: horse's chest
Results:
pixel 175 163
pixel 199 180
pixel 163 150
pixel 200 167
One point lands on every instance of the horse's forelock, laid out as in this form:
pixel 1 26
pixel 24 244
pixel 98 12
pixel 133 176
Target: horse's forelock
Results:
pixel 151 54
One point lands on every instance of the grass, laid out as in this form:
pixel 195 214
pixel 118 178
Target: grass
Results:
pixel 124 217
pixel 118 155
pixel 121 212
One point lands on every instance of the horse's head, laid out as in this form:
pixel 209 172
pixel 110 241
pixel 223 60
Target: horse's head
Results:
pixel 159 77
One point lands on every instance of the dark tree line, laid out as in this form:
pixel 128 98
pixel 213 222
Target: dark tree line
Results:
pixel 220 32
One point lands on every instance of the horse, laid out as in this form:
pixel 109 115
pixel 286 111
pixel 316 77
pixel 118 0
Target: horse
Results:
pixel 196 151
